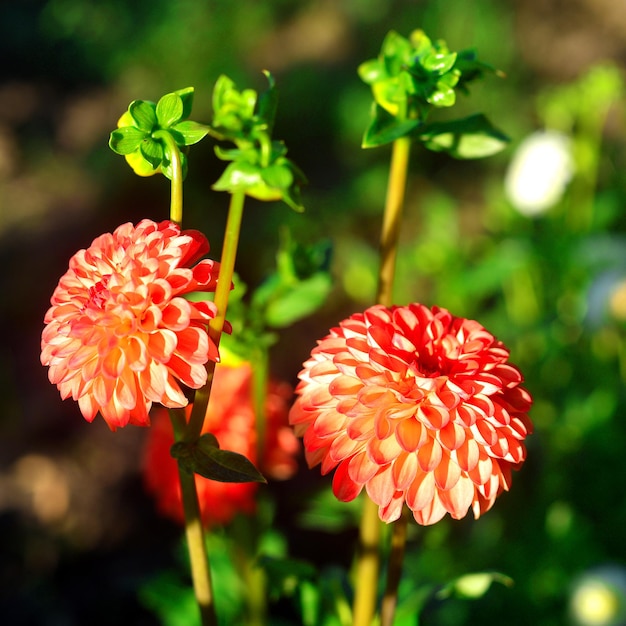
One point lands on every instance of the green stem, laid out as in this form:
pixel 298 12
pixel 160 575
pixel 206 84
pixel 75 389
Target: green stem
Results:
pixel 216 326
pixel 368 563
pixel 366 574
pixel 196 545
pixel 173 153
pixel 394 572
pixel 392 219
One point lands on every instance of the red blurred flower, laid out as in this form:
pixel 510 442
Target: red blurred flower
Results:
pixel 230 417
pixel 118 335
pixel 416 405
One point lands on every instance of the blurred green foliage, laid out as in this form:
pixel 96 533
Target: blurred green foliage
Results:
pixel 552 287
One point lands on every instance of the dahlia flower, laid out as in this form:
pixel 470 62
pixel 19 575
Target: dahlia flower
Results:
pixel 230 417
pixel 417 406
pixel 119 335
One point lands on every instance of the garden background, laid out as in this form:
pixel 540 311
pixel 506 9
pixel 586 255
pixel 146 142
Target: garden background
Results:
pixel 80 541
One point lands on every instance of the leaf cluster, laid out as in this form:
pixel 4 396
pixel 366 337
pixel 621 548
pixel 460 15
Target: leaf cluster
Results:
pixel 148 132
pixel 258 164
pixel 412 77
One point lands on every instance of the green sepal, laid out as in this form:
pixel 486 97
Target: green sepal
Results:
pixel 186 96
pixel 438 62
pixel 152 151
pixel 143 113
pixel 385 128
pixel 471 137
pixel 169 110
pixel 205 458
pixel 126 139
pixel 187 133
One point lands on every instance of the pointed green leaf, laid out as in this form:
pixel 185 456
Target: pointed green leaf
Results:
pixel 126 139
pixel 385 128
pixel 169 110
pixel 144 114
pixel 189 132
pixel 152 151
pixel 472 137
pixel 268 102
pixel 207 459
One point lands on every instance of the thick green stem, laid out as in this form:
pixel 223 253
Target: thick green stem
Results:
pixel 366 575
pixel 216 326
pixel 368 563
pixel 173 153
pixel 196 545
pixel 394 571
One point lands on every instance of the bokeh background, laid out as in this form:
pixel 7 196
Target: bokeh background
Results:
pixel 79 538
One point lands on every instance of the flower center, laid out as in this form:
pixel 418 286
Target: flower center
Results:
pixel 99 293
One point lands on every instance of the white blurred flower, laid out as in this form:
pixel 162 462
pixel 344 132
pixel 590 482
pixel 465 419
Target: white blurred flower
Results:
pixel 599 597
pixel 539 172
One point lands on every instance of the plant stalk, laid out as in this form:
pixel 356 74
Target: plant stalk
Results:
pixel 173 152
pixel 196 545
pixel 368 563
pixel 216 325
pixel 394 572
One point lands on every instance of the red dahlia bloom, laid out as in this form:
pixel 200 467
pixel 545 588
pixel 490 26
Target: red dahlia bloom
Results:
pixel 230 417
pixel 118 335
pixel 417 406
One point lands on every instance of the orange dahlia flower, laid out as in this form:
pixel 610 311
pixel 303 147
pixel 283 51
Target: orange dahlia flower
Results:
pixel 118 335
pixel 417 406
pixel 230 417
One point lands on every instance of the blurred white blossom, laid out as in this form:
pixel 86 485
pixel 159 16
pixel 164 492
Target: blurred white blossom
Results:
pixel 539 172
pixel 599 597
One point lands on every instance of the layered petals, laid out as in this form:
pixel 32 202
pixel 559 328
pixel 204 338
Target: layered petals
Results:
pixel 416 405
pixel 120 334
pixel 230 417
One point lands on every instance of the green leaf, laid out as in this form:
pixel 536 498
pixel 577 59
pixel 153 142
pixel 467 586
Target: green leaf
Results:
pixel 471 137
pixel 206 459
pixel 439 63
pixel 371 71
pixel 189 132
pixel 169 110
pixel 472 586
pixel 126 139
pixel 302 299
pixel 385 128
pixel 152 151
pixel 144 114
pixel 268 102
pixel 442 97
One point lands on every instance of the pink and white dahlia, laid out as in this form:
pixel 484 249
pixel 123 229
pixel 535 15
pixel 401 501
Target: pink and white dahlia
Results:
pixel 119 334
pixel 416 405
